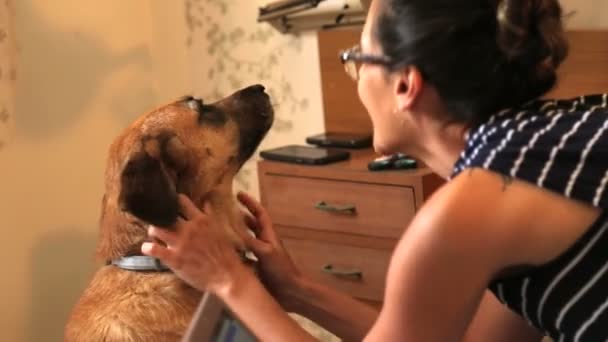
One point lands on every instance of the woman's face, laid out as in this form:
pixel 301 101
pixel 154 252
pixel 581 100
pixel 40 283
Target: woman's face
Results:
pixel 376 89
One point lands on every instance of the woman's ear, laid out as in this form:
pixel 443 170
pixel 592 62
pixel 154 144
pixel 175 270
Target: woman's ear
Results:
pixel 408 84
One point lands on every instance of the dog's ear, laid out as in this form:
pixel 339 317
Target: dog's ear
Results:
pixel 147 192
pixel 151 178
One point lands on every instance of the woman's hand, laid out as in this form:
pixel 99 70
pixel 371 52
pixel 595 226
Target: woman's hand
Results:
pixel 198 250
pixel 277 270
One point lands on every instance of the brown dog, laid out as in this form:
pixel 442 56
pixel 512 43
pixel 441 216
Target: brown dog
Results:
pixel 184 147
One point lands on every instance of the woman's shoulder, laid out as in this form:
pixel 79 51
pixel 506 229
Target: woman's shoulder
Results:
pixel 535 115
pixel 556 144
pixel 549 106
pixel 503 218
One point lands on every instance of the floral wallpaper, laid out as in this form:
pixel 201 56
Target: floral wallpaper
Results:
pixel 8 72
pixel 230 50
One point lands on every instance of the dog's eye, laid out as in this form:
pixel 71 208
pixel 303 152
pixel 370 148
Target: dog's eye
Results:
pixel 194 104
pixel 211 114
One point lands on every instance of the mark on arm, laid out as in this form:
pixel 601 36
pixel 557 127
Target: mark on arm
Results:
pixel 506 180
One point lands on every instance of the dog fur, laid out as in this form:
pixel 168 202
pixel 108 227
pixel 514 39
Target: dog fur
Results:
pixel 183 147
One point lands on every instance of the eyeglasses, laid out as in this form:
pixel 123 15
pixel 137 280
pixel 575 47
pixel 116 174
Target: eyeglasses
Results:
pixel 353 58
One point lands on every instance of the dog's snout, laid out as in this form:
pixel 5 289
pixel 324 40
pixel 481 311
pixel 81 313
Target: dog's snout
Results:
pixel 258 88
pixel 254 90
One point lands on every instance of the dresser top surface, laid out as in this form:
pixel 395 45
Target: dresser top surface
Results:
pixel 355 168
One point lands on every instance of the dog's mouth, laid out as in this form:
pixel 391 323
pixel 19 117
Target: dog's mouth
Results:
pixel 250 108
pixel 256 119
pixel 257 96
pixel 268 115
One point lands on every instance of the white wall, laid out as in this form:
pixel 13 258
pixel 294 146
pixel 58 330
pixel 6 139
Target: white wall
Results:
pixel 87 68
pixel 229 50
pixel 84 70
pixel 588 14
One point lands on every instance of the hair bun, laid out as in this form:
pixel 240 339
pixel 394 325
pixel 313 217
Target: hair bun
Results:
pixel 530 32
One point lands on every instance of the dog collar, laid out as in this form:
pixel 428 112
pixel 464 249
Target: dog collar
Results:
pixel 140 263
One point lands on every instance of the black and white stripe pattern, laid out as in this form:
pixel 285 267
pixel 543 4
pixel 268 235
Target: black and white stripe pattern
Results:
pixel 561 146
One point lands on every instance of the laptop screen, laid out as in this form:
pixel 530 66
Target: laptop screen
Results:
pixel 230 329
pixel 213 322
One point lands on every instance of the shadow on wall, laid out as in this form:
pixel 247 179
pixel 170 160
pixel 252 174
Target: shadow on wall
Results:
pixel 62 72
pixel 58 280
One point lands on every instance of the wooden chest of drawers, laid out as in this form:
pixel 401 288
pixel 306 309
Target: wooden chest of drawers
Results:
pixel 340 222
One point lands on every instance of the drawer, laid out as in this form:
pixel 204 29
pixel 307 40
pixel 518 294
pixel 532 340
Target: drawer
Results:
pixel 355 208
pixel 360 272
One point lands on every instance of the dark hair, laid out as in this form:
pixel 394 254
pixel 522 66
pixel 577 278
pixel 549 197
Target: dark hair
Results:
pixel 480 55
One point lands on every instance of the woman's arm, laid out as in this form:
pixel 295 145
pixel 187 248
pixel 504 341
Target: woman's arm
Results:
pixel 345 317
pixel 337 312
pixel 434 285
pixel 258 310
pixel 341 314
pixel 198 252
pixel 468 231
pixel 495 322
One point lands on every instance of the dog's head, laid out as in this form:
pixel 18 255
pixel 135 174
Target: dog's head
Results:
pixel 186 146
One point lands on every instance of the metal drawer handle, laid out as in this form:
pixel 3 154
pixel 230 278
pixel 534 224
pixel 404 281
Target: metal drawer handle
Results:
pixel 355 273
pixel 349 209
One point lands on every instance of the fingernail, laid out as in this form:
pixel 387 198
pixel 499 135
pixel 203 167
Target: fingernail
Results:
pixel 146 247
pixel 150 229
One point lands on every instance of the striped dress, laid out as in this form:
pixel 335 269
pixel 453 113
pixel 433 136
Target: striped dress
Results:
pixel 561 146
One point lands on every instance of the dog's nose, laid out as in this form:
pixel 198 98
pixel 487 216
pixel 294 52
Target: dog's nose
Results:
pixel 258 87
pixel 254 89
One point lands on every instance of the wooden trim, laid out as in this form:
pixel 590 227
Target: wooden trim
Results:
pixel 354 169
pixel 430 183
pixel 338 238
pixel 343 110
pixel 584 72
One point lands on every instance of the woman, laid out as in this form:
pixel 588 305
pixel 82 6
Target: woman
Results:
pixel 511 248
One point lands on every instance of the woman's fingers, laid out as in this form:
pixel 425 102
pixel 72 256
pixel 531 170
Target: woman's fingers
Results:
pixel 207 208
pixel 263 224
pixel 166 236
pixel 251 242
pixel 255 245
pixel 155 250
pixel 254 207
pixel 251 222
pixel 198 251
pixel 186 207
pixel 248 202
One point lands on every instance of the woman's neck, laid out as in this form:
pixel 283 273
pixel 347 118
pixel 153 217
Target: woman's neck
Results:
pixel 440 147
pixel 434 140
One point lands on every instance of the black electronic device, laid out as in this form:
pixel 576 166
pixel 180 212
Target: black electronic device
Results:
pixel 305 155
pixel 396 161
pixel 343 140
